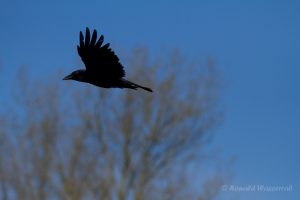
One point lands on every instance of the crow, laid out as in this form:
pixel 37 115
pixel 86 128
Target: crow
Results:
pixel 103 68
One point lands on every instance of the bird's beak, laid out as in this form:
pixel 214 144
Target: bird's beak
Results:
pixel 69 77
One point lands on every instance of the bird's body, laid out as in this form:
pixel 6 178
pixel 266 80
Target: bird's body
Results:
pixel 103 68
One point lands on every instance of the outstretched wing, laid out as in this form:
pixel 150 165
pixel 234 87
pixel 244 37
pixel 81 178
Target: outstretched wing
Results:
pixel 99 60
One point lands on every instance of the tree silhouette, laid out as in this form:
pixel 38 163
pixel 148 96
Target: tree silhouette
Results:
pixel 62 141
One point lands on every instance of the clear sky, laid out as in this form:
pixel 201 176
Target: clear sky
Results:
pixel 256 44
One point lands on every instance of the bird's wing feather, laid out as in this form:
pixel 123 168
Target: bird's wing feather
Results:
pixel 99 60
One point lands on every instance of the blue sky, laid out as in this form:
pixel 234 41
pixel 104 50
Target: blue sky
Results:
pixel 256 45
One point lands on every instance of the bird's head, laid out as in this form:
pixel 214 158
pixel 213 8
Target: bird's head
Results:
pixel 78 75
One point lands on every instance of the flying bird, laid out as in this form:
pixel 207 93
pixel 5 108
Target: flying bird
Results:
pixel 103 67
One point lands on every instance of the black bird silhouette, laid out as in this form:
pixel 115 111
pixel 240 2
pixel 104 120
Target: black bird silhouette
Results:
pixel 103 68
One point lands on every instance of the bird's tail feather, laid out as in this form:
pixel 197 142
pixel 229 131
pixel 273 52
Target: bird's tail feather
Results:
pixel 134 86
